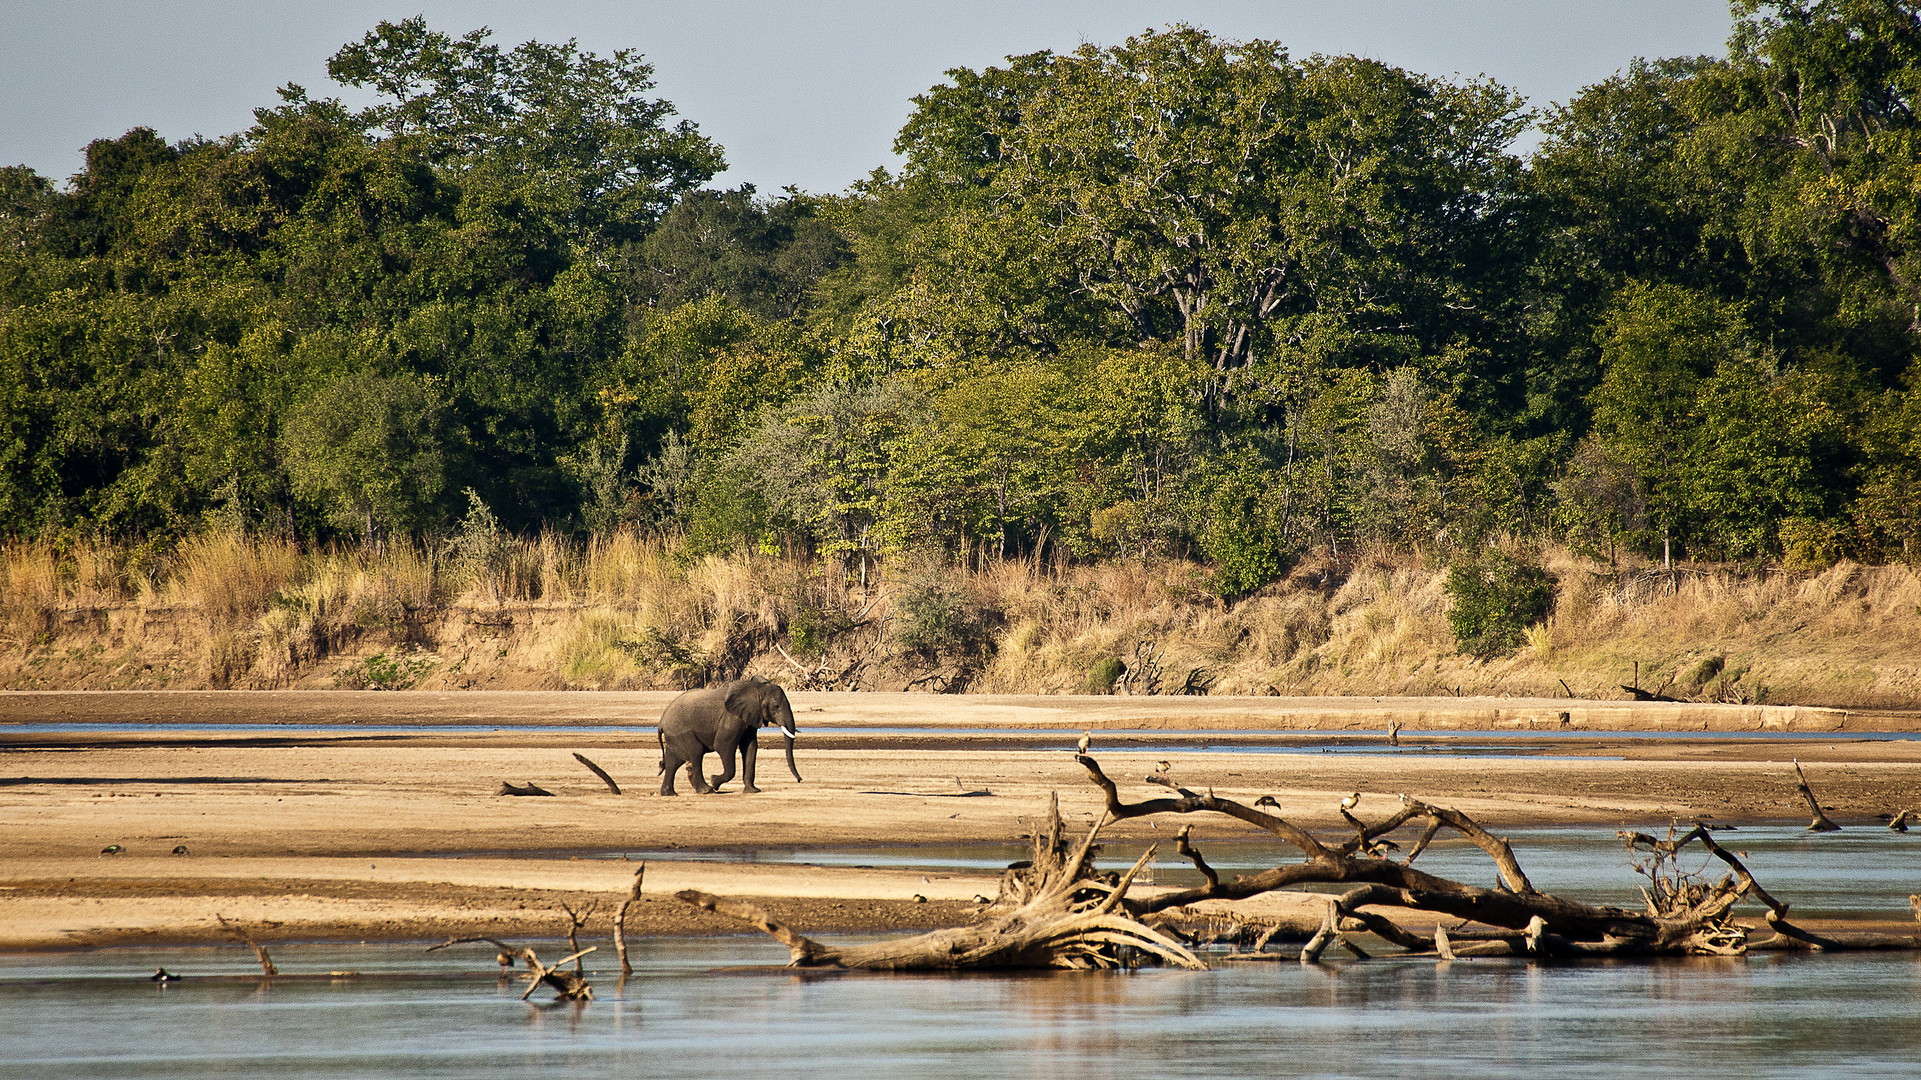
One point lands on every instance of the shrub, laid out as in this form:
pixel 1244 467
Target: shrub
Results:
pixel 1101 677
pixel 1495 598
pixel 934 619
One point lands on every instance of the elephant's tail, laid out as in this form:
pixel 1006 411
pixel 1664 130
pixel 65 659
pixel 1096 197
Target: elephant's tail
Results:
pixel 661 739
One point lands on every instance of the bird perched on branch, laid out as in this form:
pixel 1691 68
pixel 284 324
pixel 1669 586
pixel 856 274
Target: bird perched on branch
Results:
pixel 1267 800
pixel 1081 747
pixel 1163 766
pixel 1351 801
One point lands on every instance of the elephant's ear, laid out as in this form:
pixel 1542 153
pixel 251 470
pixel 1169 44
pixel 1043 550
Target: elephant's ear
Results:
pixel 746 699
pixel 772 697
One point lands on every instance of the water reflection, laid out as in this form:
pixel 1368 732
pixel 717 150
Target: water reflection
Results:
pixel 94 1015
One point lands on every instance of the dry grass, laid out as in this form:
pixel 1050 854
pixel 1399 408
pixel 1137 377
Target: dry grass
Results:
pixel 233 577
pixel 629 610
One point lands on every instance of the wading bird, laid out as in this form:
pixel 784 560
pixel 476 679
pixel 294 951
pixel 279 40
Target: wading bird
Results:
pixel 1082 745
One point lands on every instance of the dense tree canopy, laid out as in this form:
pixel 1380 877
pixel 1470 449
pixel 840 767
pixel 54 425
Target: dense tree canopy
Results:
pixel 1177 294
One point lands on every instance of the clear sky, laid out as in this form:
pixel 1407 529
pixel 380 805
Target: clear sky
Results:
pixel 808 94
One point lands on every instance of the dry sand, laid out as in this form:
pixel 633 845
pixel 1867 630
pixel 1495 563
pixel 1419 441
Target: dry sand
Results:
pixel 328 830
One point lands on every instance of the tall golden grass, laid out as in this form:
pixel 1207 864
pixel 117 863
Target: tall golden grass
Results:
pixel 634 610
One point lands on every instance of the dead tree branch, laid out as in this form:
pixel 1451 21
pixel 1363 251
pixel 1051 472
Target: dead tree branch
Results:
pixel 598 771
pixel 508 787
pixel 620 920
pixel 1820 822
pixel 1054 912
pixel 259 951
pixel 567 985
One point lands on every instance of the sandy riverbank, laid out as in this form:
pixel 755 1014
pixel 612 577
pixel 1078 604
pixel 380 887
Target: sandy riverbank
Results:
pixel 337 832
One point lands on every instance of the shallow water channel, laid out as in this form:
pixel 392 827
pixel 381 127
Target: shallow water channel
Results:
pixel 444 1015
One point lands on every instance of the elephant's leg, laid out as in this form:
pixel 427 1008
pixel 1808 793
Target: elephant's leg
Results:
pixel 749 751
pixel 725 747
pixel 696 772
pixel 670 764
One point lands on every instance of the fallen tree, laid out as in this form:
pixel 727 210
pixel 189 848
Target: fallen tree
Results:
pixel 567 985
pixel 1056 910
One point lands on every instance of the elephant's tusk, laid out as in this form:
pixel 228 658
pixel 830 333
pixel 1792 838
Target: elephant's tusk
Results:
pixel 789 732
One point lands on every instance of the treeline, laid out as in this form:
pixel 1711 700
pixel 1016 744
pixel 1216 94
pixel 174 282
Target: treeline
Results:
pixel 1181 295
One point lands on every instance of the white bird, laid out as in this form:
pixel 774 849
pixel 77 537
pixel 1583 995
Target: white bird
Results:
pixel 1163 766
pixel 1085 737
pixel 1351 801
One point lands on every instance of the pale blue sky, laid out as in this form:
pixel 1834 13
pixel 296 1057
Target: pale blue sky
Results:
pixel 804 94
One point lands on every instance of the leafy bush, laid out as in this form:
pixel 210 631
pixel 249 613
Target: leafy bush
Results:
pixel 934 618
pixel 1496 597
pixel 1101 677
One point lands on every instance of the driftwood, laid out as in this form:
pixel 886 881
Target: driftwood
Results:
pixel 1053 912
pixel 567 985
pixel 510 788
pixel 620 920
pixel 259 951
pixel 1523 919
pixel 576 920
pixel 1820 822
pixel 600 772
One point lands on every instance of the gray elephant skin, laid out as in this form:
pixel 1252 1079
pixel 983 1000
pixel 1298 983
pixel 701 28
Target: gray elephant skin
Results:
pixel 724 719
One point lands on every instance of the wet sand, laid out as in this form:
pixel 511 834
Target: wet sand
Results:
pixel 328 830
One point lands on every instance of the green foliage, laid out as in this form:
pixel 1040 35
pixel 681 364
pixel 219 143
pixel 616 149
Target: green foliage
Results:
pixel 1238 533
pixel 1180 295
pixel 383 672
pixel 760 256
pixel 933 618
pixel 547 130
pixel 667 652
pixel 1493 598
pixel 1102 676
pixel 371 452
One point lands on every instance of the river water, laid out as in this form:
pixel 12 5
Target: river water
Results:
pixel 682 1015
pixel 720 1006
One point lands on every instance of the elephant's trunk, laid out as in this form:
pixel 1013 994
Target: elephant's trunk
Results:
pixel 790 733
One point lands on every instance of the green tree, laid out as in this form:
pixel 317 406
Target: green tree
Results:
pixel 761 256
pixel 570 135
pixel 1222 195
pixel 1660 344
pixel 373 453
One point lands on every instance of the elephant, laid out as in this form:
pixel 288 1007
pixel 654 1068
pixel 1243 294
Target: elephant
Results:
pixel 723 719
